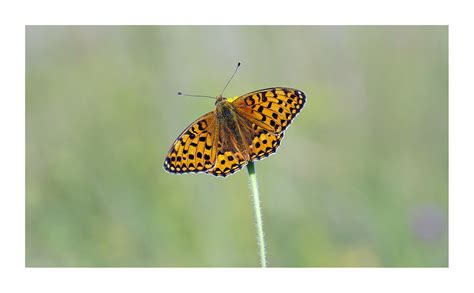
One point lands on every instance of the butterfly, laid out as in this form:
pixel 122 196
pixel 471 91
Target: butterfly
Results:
pixel 239 130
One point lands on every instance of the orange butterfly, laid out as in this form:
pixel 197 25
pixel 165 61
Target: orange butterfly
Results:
pixel 239 130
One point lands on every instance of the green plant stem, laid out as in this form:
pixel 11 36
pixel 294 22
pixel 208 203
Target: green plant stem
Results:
pixel 257 211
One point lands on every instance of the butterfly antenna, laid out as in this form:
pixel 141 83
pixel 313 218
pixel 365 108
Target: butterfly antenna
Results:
pixel 199 96
pixel 235 71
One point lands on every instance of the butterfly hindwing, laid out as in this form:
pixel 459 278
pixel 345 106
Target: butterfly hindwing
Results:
pixel 195 149
pixel 227 162
pixel 264 144
pixel 273 109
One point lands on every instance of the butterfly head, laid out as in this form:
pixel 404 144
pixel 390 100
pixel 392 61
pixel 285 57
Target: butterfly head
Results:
pixel 220 99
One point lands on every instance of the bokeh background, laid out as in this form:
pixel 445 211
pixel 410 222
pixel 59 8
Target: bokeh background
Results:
pixel 361 178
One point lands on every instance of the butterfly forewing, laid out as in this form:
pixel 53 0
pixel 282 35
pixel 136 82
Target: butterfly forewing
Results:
pixel 195 149
pixel 273 109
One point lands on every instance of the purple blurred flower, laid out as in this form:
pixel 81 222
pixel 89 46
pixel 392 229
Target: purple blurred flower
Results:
pixel 428 223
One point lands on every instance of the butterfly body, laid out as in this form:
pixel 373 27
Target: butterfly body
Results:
pixel 235 132
pixel 239 130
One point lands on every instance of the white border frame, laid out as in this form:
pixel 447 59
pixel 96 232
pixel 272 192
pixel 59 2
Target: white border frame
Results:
pixel 18 278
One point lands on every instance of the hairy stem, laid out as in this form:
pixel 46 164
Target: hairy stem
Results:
pixel 258 212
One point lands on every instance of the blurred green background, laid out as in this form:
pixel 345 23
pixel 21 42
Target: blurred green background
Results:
pixel 361 178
